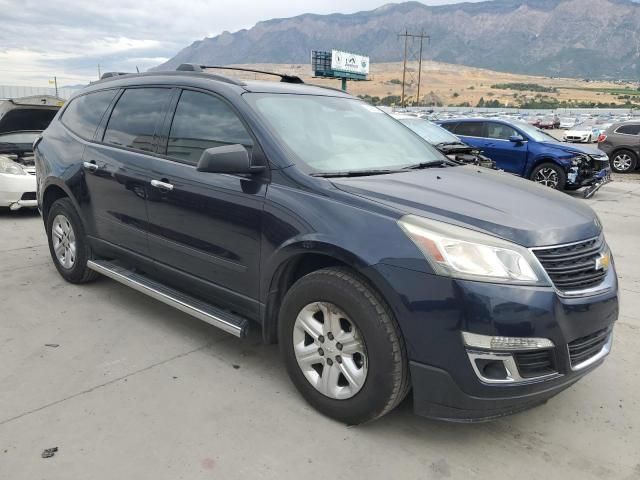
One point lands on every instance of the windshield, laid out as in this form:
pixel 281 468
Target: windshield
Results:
pixel 332 134
pixel 27 119
pixel 431 132
pixel 534 133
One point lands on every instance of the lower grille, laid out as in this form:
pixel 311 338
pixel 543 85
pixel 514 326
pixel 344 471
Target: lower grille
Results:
pixel 573 267
pixel 535 364
pixel 584 348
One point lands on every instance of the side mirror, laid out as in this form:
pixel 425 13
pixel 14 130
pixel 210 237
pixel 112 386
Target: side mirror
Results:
pixel 227 159
pixel 516 138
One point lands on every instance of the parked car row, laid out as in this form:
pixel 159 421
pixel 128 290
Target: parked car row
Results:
pixel 377 262
pixel 518 148
pixel 617 136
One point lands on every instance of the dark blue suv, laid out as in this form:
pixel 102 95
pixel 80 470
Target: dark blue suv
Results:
pixel 519 148
pixel 376 263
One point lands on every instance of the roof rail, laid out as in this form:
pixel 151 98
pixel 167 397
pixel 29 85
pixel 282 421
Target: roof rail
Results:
pixel 192 67
pixel 113 74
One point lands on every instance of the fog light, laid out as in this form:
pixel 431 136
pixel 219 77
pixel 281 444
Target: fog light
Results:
pixel 492 369
pixel 488 342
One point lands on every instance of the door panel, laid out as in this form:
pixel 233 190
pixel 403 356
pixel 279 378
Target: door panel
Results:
pixel 117 170
pixel 206 224
pixel 117 188
pixel 509 156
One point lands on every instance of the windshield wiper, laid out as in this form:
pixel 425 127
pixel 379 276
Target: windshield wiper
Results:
pixel 419 166
pixel 354 173
pixel 445 144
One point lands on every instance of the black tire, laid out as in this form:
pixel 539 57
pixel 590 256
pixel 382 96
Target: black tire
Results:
pixel 387 380
pixel 541 170
pixel 620 153
pixel 78 272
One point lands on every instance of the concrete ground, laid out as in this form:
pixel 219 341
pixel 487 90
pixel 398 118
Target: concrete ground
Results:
pixel 127 388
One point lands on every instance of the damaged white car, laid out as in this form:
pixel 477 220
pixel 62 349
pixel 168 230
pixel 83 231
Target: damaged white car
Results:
pixel 21 123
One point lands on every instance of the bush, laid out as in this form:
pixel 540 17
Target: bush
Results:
pixel 528 87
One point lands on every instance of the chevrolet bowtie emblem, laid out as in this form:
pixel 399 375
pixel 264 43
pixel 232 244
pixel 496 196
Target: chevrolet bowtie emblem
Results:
pixel 603 261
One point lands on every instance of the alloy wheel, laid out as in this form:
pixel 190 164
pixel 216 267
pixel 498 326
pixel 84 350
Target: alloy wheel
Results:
pixel 330 350
pixel 622 162
pixel 64 241
pixel 547 177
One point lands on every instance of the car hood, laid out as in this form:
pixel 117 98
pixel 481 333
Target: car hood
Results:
pixel 573 148
pixel 581 131
pixel 493 202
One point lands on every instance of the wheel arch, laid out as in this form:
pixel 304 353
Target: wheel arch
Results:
pixel 51 192
pixel 292 263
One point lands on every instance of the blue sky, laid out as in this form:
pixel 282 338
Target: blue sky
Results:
pixel 69 38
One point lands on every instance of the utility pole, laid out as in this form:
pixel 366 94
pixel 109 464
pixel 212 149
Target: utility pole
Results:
pixel 413 36
pixel 99 74
pixel 55 81
pixel 404 66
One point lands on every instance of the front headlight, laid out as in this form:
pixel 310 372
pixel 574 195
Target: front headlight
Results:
pixel 579 160
pixel 462 253
pixel 10 167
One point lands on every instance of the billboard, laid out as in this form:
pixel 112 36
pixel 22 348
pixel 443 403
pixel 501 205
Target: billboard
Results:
pixel 349 62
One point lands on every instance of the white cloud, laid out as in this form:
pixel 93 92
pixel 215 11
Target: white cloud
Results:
pixel 69 38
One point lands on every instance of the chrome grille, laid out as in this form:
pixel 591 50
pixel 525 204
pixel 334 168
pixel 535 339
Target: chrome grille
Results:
pixel 573 267
pixel 584 348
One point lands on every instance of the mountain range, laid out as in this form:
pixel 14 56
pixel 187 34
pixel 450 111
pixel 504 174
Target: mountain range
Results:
pixel 570 38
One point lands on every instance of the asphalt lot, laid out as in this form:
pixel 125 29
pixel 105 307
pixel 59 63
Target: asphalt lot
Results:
pixel 136 390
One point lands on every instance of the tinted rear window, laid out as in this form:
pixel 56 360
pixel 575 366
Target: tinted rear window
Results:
pixel 629 129
pixel 136 117
pixel 470 129
pixel 84 113
pixel 26 119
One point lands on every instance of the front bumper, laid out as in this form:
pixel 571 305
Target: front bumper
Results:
pixel 578 138
pixel 18 191
pixel 433 311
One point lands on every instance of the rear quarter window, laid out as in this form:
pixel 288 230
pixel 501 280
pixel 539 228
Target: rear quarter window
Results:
pixel 82 116
pixel 629 129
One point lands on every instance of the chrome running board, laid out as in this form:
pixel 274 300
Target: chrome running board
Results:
pixel 217 317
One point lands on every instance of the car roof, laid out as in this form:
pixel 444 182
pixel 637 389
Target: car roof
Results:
pixel 212 81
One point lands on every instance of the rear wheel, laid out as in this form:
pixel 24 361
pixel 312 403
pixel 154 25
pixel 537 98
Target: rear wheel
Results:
pixel 550 175
pixel 68 243
pixel 624 161
pixel 342 347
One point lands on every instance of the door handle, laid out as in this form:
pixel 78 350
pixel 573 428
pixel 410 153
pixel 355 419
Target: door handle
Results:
pixel 162 185
pixel 91 166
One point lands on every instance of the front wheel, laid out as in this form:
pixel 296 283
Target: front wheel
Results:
pixel 549 175
pixel 342 346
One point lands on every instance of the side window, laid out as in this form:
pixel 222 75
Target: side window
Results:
pixel 203 121
pixel 135 118
pixel 84 113
pixel 499 131
pixel 470 129
pixel 450 126
pixel 629 129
